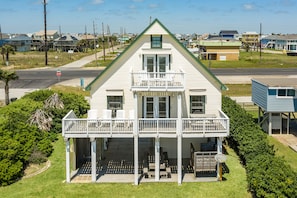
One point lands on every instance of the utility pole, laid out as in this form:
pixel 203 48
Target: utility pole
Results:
pixel 45 31
pixel 260 41
pixel 95 42
pixel 103 42
pixel 1 36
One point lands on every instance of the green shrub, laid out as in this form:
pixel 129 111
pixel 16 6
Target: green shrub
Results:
pixel 268 176
pixel 22 143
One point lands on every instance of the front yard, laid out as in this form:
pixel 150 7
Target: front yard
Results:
pixel 51 183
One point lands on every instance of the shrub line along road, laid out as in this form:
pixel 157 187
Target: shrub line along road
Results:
pixel 73 73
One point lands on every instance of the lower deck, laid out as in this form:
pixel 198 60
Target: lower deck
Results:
pixel 117 165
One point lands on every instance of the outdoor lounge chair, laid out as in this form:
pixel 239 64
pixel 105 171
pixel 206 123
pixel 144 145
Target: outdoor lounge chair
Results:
pixel 106 118
pixel 120 118
pixel 93 117
pixel 131 118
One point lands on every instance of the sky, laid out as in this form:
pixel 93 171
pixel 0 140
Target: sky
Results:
pixel 133 16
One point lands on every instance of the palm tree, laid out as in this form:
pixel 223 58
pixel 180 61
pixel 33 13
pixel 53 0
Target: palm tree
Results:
pixel 5 50
pixel 7 76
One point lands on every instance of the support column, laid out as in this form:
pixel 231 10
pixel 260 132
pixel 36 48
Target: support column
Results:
pixel 179 140
pixel 288 123
pixel 220 151
pixel 136 160
pixel 269 123
pixel 135 132
pixel 157 159
pixel 67 142
pixel 93 158
pixel 259 115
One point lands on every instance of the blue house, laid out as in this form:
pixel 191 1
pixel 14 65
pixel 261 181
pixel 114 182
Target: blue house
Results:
pixel 276 99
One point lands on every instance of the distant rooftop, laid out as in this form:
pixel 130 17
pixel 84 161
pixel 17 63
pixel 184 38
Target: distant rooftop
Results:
pixel 278 82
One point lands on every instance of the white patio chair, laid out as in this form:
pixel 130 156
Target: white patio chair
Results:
pixel 93 117
pixel 120 118
pixel 131 118
pixel 106 117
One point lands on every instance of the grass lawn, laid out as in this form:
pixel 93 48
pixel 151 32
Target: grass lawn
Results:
pixel 284 151
pixel 238 90
pixel 36 59
pixel 51 184
pixel 252 60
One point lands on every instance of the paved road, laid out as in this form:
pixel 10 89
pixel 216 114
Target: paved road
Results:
pixel 46 77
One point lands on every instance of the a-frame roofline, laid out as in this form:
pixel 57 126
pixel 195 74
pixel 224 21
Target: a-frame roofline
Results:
pixel 215 80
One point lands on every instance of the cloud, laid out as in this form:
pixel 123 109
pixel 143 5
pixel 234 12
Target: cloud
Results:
pixel 97 2
pixel 248 6
pixel 153 5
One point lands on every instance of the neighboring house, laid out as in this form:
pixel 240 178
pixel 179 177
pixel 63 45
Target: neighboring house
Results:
pixel 39 38
pixel 158 96
pixel 3 39
pixel 228 34
pixel 277 100
pixel 251 38
pixel 219 49
pixel 21 43
pixel 286 42
pixel 66 42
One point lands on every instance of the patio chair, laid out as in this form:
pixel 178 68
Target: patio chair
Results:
pixel 93 117
pixel 120 118
pixel 131 118
pixel 106 118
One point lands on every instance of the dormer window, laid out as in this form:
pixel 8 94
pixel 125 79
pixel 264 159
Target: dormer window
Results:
pixel 156 41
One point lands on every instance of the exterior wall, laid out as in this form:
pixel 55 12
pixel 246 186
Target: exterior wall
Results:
pixel 169 145
pixel 280 104
pixel 119 78
pixel 229 53
pixel 259 94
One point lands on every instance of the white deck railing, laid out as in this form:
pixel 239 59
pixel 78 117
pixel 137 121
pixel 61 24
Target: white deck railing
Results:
pixel 146 127
pixel 170 80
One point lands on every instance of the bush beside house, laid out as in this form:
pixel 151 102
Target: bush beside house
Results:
pixel 22 143
pixel 267 175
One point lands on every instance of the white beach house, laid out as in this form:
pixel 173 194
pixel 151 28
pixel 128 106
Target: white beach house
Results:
pixel 156 91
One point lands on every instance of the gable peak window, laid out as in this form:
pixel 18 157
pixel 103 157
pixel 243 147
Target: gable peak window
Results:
pixel 156 41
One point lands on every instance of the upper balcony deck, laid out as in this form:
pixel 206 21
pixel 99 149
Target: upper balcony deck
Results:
pixel 157 81
pixel 73 127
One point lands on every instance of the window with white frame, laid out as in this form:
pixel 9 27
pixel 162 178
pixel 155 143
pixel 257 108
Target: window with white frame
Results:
pixel 286 92
pixel 197 104
pixel 114 103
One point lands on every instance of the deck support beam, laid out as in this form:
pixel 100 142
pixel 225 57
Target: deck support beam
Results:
pixel 157 159
pixel 93 158
pixel 269 123
pixel 220 151
pixel 179 140
pixel 135 131
pixel 288 123
pixel 67 159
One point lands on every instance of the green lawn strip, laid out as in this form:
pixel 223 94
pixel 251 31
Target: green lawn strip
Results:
pixel 238 90
pixel 51 184
pixel 284 151
pixel 253 60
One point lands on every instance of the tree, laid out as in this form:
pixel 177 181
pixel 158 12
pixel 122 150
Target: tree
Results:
pixel 7 76
pixel 5 50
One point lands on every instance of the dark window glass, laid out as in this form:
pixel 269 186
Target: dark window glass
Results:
pixel 197 104
pixel 156 41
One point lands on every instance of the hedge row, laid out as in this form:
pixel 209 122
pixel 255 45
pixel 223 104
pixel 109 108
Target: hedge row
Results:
pixel 267 175
pixel 22 143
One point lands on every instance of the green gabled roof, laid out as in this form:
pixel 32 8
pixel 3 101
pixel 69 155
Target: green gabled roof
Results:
pixel 222 86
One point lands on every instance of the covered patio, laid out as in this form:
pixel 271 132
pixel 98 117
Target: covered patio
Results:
pixel 117 166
